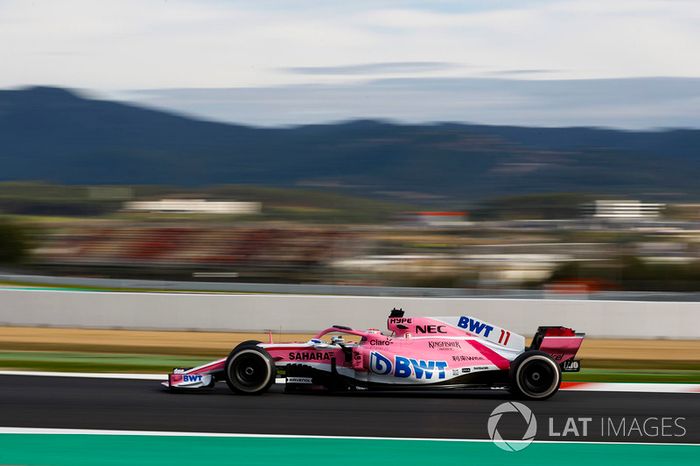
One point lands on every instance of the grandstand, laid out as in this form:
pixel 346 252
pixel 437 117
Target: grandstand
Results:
pixel 193 247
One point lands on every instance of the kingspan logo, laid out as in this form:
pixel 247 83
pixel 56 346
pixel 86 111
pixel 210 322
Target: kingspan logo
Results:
pixel 512 407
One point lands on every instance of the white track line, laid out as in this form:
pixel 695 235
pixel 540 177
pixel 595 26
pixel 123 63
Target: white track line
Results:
pixel 577 386
pixel 149 433
pixel 89 375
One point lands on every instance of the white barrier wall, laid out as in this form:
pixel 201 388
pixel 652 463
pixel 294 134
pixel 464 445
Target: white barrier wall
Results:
pixel 300 313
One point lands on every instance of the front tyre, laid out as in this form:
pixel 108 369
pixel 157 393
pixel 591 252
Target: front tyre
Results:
pixel 249 370
pixel 535 375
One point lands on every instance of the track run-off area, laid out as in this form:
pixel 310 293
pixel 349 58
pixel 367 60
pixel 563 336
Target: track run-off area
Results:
pixel 76 420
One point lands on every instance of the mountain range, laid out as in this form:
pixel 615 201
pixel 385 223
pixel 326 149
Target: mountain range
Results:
pixel 60 136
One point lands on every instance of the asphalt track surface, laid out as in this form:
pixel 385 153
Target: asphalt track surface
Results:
pixel 77 403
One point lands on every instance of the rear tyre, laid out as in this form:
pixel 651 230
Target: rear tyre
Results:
pixel 249 370
pixel 535 375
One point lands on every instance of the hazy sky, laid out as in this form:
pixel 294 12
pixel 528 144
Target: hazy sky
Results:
pixel 630 103
pixel 114 46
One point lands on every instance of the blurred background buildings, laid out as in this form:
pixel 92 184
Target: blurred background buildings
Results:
pixel 294 236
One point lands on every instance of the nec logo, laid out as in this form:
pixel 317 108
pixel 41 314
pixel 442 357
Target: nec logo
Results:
pixel 474 326
pixel 430 329
pixel 192 378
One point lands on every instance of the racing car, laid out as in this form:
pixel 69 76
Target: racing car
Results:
pixel 418 353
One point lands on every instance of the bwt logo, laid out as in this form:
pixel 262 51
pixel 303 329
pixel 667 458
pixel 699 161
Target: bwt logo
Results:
pixel 405 367
pixel 474 326
pixel 192 378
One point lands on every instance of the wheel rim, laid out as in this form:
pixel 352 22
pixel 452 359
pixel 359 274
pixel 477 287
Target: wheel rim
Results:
pixel 250 370
pixel 538 376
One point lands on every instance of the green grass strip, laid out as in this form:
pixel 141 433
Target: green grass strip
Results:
pixel 94 362
pixel 634 375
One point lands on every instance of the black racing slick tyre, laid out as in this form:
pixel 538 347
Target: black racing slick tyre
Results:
pixel 246 343
pixel 535 375
pixel 249 370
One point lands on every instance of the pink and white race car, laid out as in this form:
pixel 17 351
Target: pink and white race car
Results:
pixel 420 353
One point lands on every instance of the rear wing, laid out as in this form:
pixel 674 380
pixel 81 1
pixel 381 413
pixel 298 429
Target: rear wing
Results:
pixel 562 343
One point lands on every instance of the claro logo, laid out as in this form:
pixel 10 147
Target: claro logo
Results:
pixel 380 342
